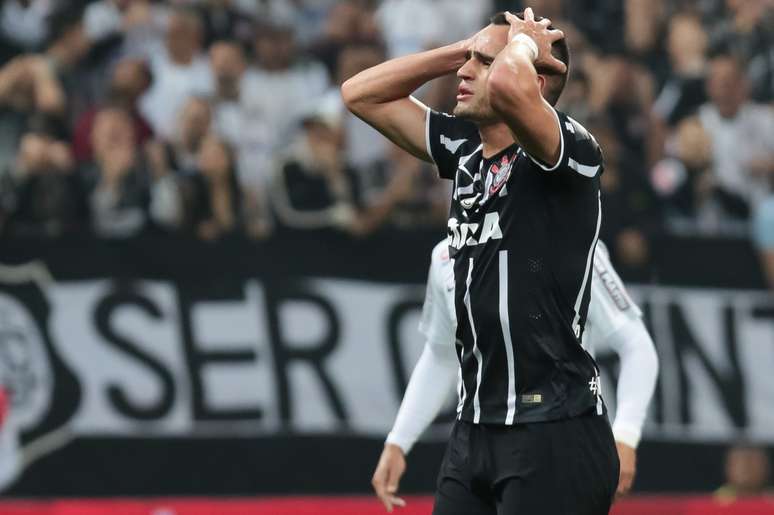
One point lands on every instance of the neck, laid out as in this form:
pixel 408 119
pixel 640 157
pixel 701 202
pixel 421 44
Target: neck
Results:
pixel 495 137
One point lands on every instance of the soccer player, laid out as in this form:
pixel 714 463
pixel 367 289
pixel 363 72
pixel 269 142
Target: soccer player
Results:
pixel 614 322
pixel 532 436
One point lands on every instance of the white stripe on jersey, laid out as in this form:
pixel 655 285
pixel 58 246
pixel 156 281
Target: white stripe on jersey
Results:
pixel 463 394
pixel 585 170
pixel 476 352
pixel 579 298
pixel 506 327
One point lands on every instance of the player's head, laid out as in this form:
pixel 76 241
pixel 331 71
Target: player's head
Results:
pixel 472 101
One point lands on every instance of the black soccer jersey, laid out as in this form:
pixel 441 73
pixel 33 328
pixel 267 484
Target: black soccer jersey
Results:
pixel 522 237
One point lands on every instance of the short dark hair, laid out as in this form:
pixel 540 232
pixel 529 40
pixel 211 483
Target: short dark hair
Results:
pixel 559 49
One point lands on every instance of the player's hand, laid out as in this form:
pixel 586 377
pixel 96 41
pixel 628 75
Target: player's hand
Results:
pixel 627 456
pixel 391 466
pixel 543 36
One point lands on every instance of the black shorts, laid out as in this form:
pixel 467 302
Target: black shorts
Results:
pixel 567 467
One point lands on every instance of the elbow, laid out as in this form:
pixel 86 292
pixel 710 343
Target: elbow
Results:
pixel 350 96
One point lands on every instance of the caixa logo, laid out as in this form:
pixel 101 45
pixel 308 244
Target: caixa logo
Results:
pixel 32 379
pixel 470 234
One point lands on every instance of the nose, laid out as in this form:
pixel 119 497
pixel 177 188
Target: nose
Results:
pixel 465 72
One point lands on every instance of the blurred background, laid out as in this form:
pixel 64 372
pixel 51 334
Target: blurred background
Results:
pixel 212 274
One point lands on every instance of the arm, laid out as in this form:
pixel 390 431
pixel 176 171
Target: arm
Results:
pixel 49 95
pixel 514 87
pixel 429 386
pixel 636 382
pixel 381 95
pixel 426 392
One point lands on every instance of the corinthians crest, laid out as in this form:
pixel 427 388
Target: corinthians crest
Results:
pixel 34 423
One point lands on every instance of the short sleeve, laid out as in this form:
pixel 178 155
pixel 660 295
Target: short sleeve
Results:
pixel 611 306
pixel 437 323
pixel 579 152
pixel 445 136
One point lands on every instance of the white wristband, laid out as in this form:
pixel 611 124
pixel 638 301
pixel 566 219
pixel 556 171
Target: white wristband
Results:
pixel 527 42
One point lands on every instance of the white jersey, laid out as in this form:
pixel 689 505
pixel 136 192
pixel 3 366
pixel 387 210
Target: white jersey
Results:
pixel 610 309
pixel 614 322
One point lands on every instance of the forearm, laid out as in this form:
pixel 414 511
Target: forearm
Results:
pixel 398 78
pixel 636 383
pixel 49 95
pixel 516 97
pixel 428 388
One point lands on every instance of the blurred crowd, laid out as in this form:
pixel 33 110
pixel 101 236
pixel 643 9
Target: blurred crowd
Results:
pixel 220 118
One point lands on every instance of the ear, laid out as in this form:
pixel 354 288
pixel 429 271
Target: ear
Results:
pixel 542 83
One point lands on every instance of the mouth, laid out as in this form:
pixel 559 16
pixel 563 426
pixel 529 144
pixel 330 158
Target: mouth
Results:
pixel 464 92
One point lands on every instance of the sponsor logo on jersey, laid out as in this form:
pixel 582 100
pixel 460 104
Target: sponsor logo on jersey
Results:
pixel 612 285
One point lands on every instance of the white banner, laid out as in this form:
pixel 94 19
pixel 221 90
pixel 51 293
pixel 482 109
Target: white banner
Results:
pixel 155 358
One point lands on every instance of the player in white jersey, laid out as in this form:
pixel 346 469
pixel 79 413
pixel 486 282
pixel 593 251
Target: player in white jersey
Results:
pixel 614 321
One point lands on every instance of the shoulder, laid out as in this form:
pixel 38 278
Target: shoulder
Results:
pixel 440 253
pixel 449 131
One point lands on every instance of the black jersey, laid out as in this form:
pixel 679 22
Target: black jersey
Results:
pixel 522 237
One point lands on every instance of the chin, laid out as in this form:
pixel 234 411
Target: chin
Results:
pixel 463 111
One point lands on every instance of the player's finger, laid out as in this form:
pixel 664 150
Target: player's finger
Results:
pixel 392 481
pixel 555 35
pixel 511 18
pixel 528 14
pixel 545 22
pixel 553 66
pixel 397 501
pixel 624 484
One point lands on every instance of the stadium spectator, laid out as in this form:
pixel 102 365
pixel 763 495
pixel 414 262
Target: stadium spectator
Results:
pixel 684 88
pixel 40 194
pixel 192 126
pixel 278 92
pixel 129 80
pixel 348 22
pixel 747 471
pixel 365 149
pixel 314 188
pixel 630 207
pixel 688 185
pixel 211 194
pixel 748 33
pixel 621 91
pixel 742 132
pixel 179 71
pixel 41 83
pixel 123 195
pixel 230 121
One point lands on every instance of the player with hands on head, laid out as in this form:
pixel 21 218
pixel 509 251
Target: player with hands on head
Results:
pixel 532 435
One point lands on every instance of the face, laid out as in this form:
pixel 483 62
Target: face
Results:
pixel 112 129
pixel 472 98
pixel 183 36
pixel 687 39
pixel 227 61
pixel 726 86
pixel 275 49
pixel 129 78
